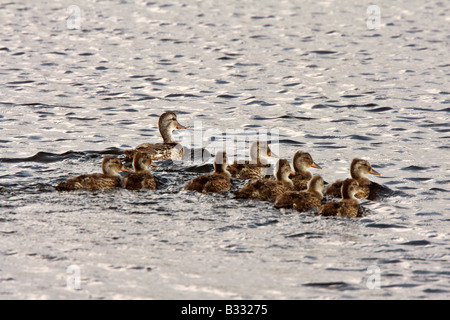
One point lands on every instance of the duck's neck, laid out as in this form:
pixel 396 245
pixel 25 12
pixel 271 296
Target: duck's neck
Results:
pixel 256 156
pixel 346 195
pixel 301 169
pixel 140 168
pixel 359 176
pixel 221 169
pixel 167 135
pixel 284 178
pixel 315 191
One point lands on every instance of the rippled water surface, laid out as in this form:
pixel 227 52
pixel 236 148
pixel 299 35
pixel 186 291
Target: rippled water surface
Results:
pixel 311 69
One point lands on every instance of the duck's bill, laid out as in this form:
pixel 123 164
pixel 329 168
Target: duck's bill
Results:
pixel 360 191
pixel 315 165
pixel 180 127
pixel 126 170
pixel 374 172
pixel 273 155
pixel 154 165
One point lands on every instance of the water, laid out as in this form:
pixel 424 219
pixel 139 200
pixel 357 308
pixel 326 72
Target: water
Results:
pixel 312 70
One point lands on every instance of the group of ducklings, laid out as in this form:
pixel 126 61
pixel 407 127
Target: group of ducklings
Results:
pixel 298 190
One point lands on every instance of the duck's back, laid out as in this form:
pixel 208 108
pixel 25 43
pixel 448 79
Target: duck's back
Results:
pixel 299 200
pixel 263 189
pixel 157 151
pixel 306 201
pixel 209 183
pixel 138 181
pixel 286 200
pixel 340 209
pixel 94 181
pixel 247 170
pixel 301 180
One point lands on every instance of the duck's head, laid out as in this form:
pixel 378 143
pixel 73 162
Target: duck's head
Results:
pixel 112 166
pixel 349 188
pixel 167 124
pixel 359 168
pixel 303 161
pixel 142 162
pixel 284 171
pixel 259 151
pixel 316 184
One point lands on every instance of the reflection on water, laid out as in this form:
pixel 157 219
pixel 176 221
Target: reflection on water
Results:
pixel 314 75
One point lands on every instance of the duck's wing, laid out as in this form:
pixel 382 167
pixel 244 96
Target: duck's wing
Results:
pixel 90 182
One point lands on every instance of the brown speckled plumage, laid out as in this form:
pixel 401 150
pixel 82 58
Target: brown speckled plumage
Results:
pixel 217 182
pixel 247 170
pixel 110 178
pixel 267 190
pixel 303 200
pixel 256 167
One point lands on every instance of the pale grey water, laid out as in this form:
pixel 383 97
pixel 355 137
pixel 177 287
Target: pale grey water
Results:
pixel 311 69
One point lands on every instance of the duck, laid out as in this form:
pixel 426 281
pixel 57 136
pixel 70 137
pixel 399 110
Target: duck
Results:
pixel 169 149
pixel 302 162
pixel 358 170
pixel 303 200
pixel 253 169
pixel 348 206
pixel 267 189
pixel 109 179
pixel 141 178
pixel 217 182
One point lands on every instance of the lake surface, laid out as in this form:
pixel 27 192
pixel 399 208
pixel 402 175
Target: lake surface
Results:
pixel 79 83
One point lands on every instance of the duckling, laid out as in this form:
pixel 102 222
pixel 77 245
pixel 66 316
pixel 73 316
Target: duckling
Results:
pixel 253 169
pixel 141 178
pixel 169 149
pixel 358 170
pixel 267 190
pixel 348 206
pixel 217 182
pixel 302 162
pixel 303 200
pixel 110 178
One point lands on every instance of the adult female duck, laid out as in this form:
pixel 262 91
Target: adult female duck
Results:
pixel 169 149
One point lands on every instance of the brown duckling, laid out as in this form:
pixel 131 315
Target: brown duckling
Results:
pixel 302 162
pixel 141 178
pixel 169 149
pixel 358 170
pixel 255 168
pixel 303 200
pixel 219 181
pixel 267 190
pixel 110 178
pixel 348 206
